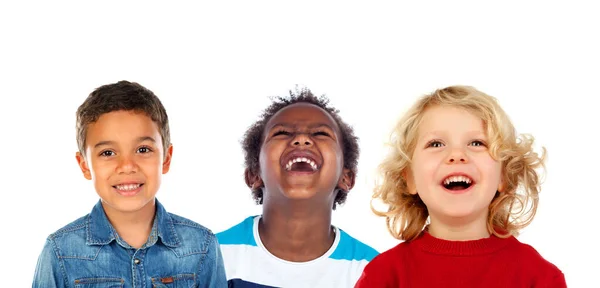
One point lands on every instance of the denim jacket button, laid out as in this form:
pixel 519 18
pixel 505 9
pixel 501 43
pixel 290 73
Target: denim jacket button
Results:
pixel 136 261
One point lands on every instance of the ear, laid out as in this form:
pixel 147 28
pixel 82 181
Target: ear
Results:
pixel 410 180
pixel 83 166
pixel 252 180
pixel 501 186
pixel 167 162
pixel 346 181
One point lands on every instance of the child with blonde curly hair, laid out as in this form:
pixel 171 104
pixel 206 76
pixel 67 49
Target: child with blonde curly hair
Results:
pixel 459 184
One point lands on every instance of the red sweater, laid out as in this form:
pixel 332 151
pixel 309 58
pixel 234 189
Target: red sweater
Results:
pixel 431 262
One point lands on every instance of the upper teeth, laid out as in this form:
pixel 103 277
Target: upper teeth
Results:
pixel 457 179
pixel 128 186
pixel 288 166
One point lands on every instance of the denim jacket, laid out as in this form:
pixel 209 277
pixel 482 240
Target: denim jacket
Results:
pixel 89 253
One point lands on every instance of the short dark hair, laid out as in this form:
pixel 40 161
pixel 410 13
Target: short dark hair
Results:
pixel 253 137
pixel 121 96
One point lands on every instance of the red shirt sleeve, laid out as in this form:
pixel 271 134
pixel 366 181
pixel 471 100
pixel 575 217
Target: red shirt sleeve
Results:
pixel 557 280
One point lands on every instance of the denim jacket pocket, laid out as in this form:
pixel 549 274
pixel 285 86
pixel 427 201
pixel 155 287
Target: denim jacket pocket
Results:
pixel 175 281
pixel 99 282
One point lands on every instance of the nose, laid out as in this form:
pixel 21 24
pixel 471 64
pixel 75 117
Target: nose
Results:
pixel 457 156
pixel 301 139
pixel 126 165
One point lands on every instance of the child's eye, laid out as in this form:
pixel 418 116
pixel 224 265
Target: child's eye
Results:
pixel 281 132
pixel 477 143
pixel 107 153
pixel 435 144
pixel 144 150
pixel 322 133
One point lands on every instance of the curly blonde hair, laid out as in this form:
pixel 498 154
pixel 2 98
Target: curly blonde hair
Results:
pixel 510 210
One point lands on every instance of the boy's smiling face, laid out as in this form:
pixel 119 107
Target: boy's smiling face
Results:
pixel 125 160
pixel 301 155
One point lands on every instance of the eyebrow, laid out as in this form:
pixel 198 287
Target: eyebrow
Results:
pixel 472 133
pixel 320 125
pixel 139 139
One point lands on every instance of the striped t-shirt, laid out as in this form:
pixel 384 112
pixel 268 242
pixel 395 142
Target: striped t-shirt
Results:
pixel 249 264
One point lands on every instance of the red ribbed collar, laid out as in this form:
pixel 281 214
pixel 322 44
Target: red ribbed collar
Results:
pixel 428 243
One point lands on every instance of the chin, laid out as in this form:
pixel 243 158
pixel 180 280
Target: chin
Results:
pixel 459 212
pixel 299 193
pixel 128 205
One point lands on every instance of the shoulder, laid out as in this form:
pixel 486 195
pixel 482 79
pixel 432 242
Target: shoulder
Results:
pixel 350 248
pixel 389 257
pixel 532 256
pixel 239 234
pixel 535 264
pixel 382 270
pixel 183 223
pixel 70 240
pixel 75 227
pixel 191 230
pixel 73 233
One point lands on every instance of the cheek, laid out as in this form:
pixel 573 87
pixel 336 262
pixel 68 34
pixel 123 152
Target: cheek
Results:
pixel 151 165
pixel 424 170
pixel 272 151
pixel 339 156
pixel 330 149
pixel 497 172
pixel 334 156
pixel 492 170
pixel 423 177
pixel 268 160
pixel 263 157
pixel 101 169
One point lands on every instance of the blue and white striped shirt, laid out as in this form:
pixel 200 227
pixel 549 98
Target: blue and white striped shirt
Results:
pixel 249 264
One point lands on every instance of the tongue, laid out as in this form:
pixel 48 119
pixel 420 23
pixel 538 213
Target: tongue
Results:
pixel 301 167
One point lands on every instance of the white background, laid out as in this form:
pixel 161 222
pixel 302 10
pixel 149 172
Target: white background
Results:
pixel 214 66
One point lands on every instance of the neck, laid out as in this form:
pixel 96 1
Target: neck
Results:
pixel 298 230
pixel 459 228
pixel 133 227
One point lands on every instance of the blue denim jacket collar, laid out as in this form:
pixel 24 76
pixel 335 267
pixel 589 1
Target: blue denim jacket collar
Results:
pixel 100 232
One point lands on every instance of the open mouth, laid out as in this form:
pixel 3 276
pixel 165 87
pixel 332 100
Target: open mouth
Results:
pixel 128 187
pixel 457 183
pixel 301 164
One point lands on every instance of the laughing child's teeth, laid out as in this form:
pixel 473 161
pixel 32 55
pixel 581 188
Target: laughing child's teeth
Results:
pixel 452 179
pixel 128 187
pixel 312 164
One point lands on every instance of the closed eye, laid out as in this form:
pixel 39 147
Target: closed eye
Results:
pixel 322 133
pixel 281 132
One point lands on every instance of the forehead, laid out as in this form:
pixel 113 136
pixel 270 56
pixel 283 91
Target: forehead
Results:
pixel 302 114
pixel 121 125
pixel 450 118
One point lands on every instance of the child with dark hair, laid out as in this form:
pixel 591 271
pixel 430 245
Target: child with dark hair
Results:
pixel 128 239
pixel 301 162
